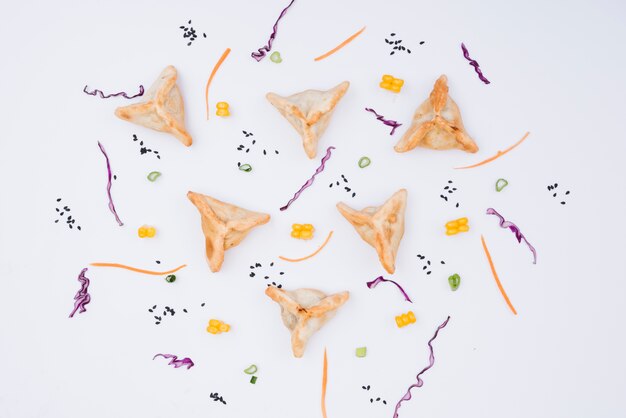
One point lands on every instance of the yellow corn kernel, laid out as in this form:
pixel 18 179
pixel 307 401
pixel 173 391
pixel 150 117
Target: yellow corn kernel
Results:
pixel 295 234
pixel 222 105
pixel 388 78
pixel 142 232
pixel 222 112
pixel 399 321
pixel 296 227
pixel 456 226
pixel 391 83
pixel 212 330
pixel 463 228
pixel 151 232
pixel 462 221
pixel 307 227
pixel 214 323
pixel 224 327
pixel 398 82
pixel 411 316
pixel 306 234
pixel 385 85
pixel 453 231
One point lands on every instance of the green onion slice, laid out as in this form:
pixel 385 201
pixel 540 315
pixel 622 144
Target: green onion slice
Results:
pixel 245 167
pixel 275 57
pixel 501 184
pixel 361 351
pixel 251 370
pixel 171 278
pixel 253 380
pixel 154 175
pixel 454 281
pixel 364 162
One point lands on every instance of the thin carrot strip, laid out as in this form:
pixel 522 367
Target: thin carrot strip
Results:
pixel 498 155
pixel 293 260
pixel 324 381
pixel 206 89
pixel 341 45
pixel 122 266
pixel 495 276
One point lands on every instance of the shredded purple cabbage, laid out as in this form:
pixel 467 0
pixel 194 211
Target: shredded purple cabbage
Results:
pixel 82 297
pixel 311 180
pixel 121 93
pixel 111 205
pixel 420 382
pixel 267 48
pixel 175 362
pixel 474 64
pixel 518 234
pixel 380 279
pixel 387 122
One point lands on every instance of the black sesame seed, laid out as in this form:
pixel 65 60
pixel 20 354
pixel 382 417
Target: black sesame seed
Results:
pixel 202 304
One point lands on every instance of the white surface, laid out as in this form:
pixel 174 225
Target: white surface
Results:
pixel 556 70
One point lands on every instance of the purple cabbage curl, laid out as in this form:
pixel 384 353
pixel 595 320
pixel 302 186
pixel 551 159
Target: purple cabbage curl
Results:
pixel 311 180
pixel 121 93
pixel 474 64
pixel 111 205
pixel 420 382
pixel 267 48
pixel 387 122
pixel 175 362
pixel 82 297
pixel 518 234
pixel 381 279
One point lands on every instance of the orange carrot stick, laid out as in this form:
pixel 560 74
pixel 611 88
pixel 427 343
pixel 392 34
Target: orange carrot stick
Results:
pixel 208 83
pixel 294 260
pixel 122 266
pixel 495 276
pixel 324 381
pixel 498 155
pixel 341 45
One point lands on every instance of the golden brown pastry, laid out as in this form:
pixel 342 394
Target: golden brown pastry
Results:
pixel 309 112
pixel 304 312
pixel 224 226
pixel 381 227
pixel 437 124
pixel 162 108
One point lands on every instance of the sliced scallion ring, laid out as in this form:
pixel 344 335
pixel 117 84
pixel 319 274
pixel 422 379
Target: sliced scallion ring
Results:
pixel 501 184
pixel 364 162
pixel 251 370
pixel 154 175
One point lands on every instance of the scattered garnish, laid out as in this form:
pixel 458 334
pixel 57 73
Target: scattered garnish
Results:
pixel 518 234
pixel 267 48
pixel 341 45
pixel 405 319
pixel 252 369
pixel 145 150
pixel 387 122
pixel 122 266
pixel 380 279
pixel 345 188
pixel 247 149
pixel 294 260
pixel 364 162
pixel 378 399
pixel 82 297
pixel 396 45
pixel 190 33
pixel 275 57
pixel 253 380
pixel 501 184
pixel 361 352
pixel 454 281
pixel 302 231
pixel 265 275
pixel 109 174
pixel 245 167
pixel 208 83
pixel 456 226
pixel 498 155
pixel 121 93
pixel 217 327
pixel 216 397
pixel 391 83
pixel 449 189
pixel 324 382
pixel 420 382
pixel 146 231
pixel 170 278
pixel 70 221
pixel 474 64
pixel 311 180
pixel 495 276
pixel 550 188
pixel 154 175
pixel 222 109
pixel 175 362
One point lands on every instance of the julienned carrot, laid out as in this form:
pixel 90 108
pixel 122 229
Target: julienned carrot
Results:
pixel 206 89
pixel 293 260
pixel 122 266
pixel 324 381
pixel 495 276
pixel 341 45
pixel 498 155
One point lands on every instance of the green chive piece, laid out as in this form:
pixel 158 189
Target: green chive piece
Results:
pixel 251 370
pixel 171 278
pixel 246 167
pixel 275 57
pixel 361 351
pixel 364 162
pixel 454 281
pixel 253 380
pixel 154 175
pixel 501 184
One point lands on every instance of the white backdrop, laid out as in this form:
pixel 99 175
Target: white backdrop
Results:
pixel 556 71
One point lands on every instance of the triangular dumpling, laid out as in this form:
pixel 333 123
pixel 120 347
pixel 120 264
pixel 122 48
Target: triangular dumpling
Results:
pixel 304 312
pixel 309 112
pixel 162 108
pixel 437 124
pixel 381 227
pixel 224 226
